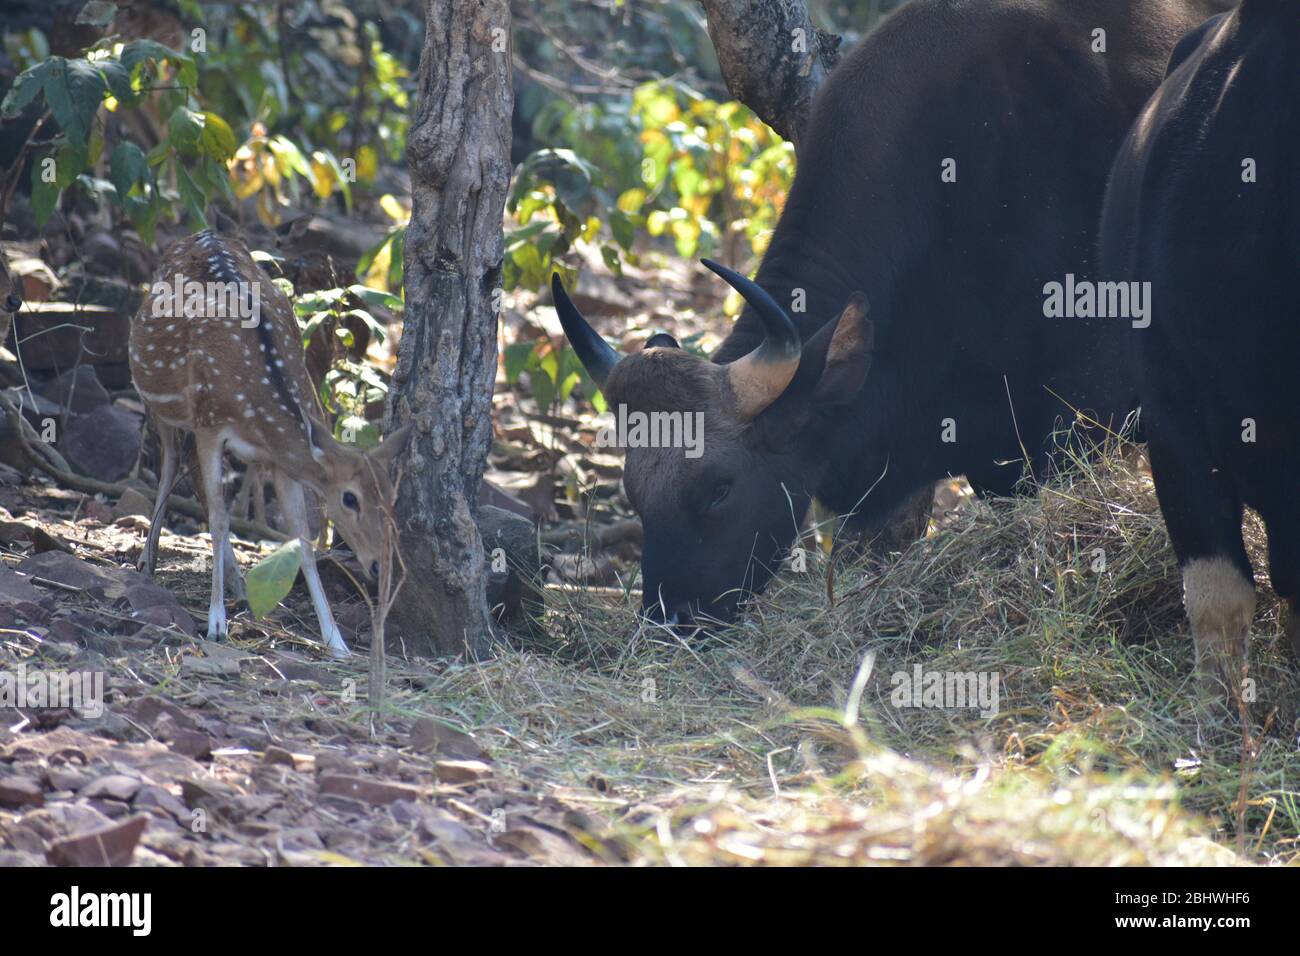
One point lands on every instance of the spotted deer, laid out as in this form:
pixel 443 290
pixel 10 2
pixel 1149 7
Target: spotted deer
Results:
pixel 216 350
pixel 11 292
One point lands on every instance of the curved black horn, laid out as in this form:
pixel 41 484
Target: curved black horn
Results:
pixel 593 351
pixel 782 337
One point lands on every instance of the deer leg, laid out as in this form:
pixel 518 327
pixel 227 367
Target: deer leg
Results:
pixel 234 577
pixel 294 508
pixel 210 465
pixel 169 450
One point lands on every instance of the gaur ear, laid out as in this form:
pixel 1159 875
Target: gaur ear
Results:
pixel 661 340
pixel 386 452
pixel 848 355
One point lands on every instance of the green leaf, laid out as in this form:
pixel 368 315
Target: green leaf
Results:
pixel 375 296
pixel 194 199
pixel 623 226
pixel 395 263
pixel 144 215
pixel 137 51
pixel 118 79
pixel 70 160
pixel 515 357
pixel 218 174
pixel 288 158
pixel 186 127
pixel 376 329
pixel 25 88
pixel 74 89
pixel 126 167
pixel 322 299
pixel 270 580
pixel 44 195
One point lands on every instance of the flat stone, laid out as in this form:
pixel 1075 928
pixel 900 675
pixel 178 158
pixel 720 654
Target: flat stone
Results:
pixel 113 845
pixel 461 771
pixel 115 786
pixel 366 790
pixel 20 792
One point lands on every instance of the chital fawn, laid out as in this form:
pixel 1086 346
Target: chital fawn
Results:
pixel 216 350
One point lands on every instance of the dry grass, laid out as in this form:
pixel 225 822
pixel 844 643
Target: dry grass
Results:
pixel 778 742
pixel 746 749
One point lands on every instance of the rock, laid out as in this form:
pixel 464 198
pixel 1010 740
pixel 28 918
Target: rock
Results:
pixel 102 444
pixel 20 792
pixel 461 771
pixel 132 503
pixel 148 711
pixel 35 408
pixel 72 572
pixel 66 778
pixel 580 569
pixel 18 592
pixel 365 789
pixel 116 786
pixel 331 761
pixel 209 667
pixel 194 744
pixel 151 797
pixel 429 736
pixel 277 757
pixel 77 390
pixel 112 845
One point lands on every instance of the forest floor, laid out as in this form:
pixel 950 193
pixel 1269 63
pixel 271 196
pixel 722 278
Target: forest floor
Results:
pixel 600 741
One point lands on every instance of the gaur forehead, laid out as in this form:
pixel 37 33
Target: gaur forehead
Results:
pixel 664 379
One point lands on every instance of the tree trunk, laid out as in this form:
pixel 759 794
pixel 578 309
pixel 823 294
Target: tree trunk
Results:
pixel 773 58
pixel 459 157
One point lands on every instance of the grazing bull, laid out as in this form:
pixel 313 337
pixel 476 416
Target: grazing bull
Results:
pixel 1204 203
pixel 954 167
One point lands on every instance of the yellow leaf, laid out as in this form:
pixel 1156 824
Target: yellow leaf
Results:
pixel 393 209
pixel 367 163
pixel 266 210
pixel 322 178
pixel 245 187
pixel 632 200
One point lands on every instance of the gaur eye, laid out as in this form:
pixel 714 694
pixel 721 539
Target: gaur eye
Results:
pixel 13 303
pixel 350 501
pixel 720 491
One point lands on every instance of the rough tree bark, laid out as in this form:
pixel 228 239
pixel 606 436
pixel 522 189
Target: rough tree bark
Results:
pixel 459 156
pixel 772 57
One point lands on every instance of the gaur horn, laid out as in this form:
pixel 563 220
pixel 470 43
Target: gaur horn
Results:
pixel 593 351
pixel 760 377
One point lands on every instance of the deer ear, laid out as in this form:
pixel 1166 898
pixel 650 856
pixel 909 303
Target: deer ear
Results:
pixel 318 439
pixel 386 452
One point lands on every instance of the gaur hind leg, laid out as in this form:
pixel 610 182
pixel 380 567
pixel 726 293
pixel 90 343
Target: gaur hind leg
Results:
pixel 1203 513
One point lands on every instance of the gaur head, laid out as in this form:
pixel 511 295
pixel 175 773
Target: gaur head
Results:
pixel 720 513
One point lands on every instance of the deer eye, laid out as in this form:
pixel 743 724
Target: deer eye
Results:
pixel 350 501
